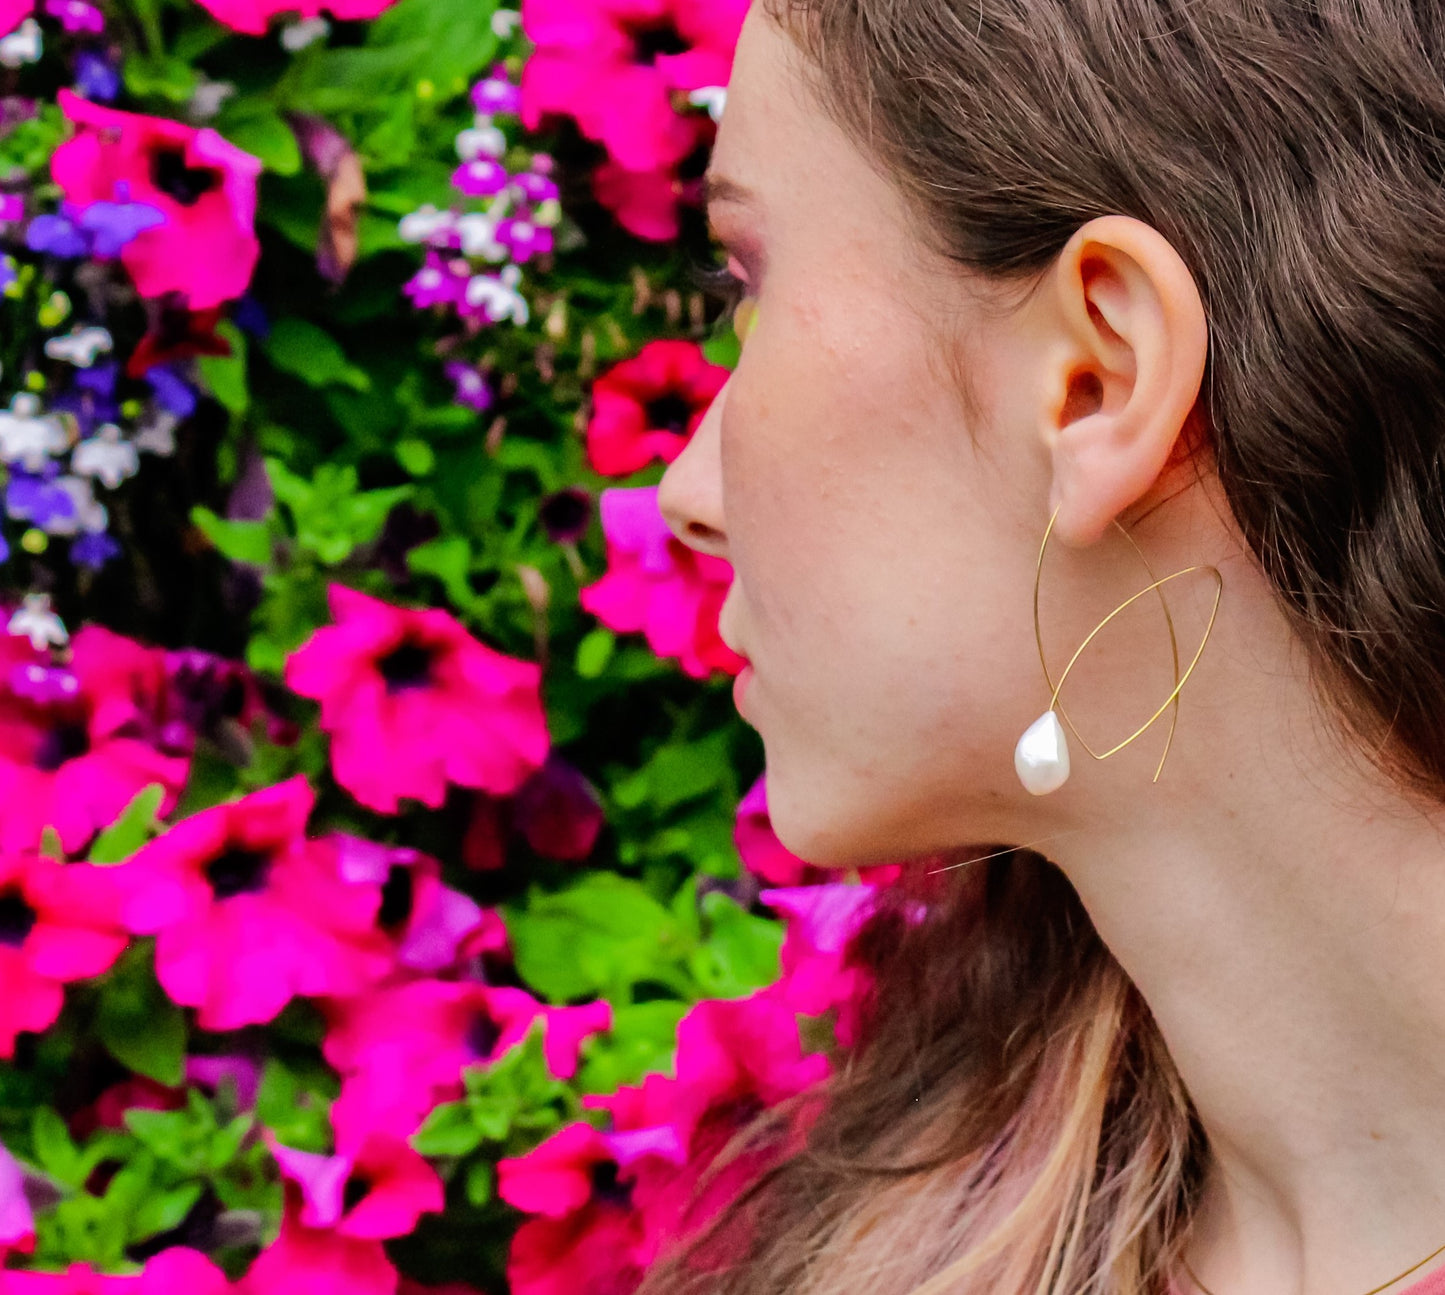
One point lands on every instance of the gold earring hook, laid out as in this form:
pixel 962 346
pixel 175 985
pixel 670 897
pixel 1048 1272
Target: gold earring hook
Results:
pixel 1156 585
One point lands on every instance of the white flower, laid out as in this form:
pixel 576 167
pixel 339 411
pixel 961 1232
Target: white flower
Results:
pixel 22 45
pixel 34 619
pixel 497 296
pixel 425 224
pixel 107 455
pixel 479 237
pixel 483 138
pixel 298 35
pixel 208 96
pixel 157 435
pixel 90 515
pixel 505 23
pixel 29 438
pixel 81 346
pixel 712 97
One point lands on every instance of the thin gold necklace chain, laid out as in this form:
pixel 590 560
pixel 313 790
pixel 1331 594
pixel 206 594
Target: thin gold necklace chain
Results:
pixel 1375 1290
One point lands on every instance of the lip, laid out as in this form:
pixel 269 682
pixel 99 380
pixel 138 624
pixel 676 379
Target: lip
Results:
pixel 740 687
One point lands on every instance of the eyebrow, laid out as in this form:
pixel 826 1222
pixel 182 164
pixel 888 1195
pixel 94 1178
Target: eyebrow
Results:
pixel 719 188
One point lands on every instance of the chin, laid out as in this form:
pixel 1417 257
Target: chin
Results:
pixel 830 830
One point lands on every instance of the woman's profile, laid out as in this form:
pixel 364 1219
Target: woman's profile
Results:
pixel 1165 281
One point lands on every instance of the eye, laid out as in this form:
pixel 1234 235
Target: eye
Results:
pixel 719 282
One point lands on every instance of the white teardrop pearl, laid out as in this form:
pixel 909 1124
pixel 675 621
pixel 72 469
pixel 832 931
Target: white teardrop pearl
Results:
pixel 1041 758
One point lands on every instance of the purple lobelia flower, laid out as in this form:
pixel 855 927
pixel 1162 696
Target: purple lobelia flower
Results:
pixel 96 77
pixel 173 393
pixel 57 235
pixel 111 225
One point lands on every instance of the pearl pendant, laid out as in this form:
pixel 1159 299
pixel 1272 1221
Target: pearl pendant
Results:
pixel 1041 758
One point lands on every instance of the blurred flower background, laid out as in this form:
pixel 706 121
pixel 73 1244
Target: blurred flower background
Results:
pixel 387 896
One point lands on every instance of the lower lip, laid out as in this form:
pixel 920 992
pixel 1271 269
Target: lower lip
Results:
pixel 740 686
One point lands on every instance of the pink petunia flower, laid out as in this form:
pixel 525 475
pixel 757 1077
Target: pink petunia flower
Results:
pixel 615 65
pixel 557 813
pixel 75 753
pixel 253 16
pixel 77 16
pixel 430 922
pixel 413 702
pixel 818 975
pixel 57 925
pixel 205 187
pixel 587 1235
pixel 176 1269
pixel 13 13
pixel 248 913
pixel 17 1222
pixel 656 584
pixel 401 1049
pixel 378 1191
pixel 735 1060
pixel 768 858
pixel 646 408
pixel 316 1261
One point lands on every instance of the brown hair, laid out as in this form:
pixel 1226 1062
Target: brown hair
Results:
pixel 1014 1123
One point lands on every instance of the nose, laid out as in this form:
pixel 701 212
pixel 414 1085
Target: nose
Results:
pixel 690 494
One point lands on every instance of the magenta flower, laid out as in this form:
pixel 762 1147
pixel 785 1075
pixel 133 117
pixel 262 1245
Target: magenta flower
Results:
pixel 646 408
pixel 177 1269
pixel 589 1235
pixel 659 586
pixel 441 281
pixel 413 702
pixel 77 16
pixel 614 67
pixel 316 1261
pixel 17 1222
pixel 74 753
pixel 401 1049
pixel 379 1191
pixel 13 13
pixel 57 925
pixel 818 975
pixel 253 16
pixel 203 186
pixel 482 177
pixel 248 913
pixel 430 922
pixel 768 858
pixel 735 1060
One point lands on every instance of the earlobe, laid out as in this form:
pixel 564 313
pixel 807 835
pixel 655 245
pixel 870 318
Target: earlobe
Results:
pixel 1132 341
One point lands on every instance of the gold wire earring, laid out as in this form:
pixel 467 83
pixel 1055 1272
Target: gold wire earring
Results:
pixel 1041 758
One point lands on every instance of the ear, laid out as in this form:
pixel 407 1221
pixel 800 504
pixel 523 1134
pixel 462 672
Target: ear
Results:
pixel 1128 348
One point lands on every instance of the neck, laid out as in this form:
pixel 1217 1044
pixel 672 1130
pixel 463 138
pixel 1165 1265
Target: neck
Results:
pixel 1281 907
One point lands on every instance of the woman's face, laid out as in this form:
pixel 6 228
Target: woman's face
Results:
pixel 883 535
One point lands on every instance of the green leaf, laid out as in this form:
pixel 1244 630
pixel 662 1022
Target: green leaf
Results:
pixel 723 349
pixel 600 937
pixel 135 826
pixel 594 652
pixel 480 1184
pixel 50 844
pixel 144 1032
pixel 225 375
pixel 449 1130
pixel 641 1042
pixel 244 541
pixel 300 348
pixel 741 951
pixel 161 1210
pixel 416 457
pixel 262 133
pixel 449 559
pixel 162 78
pixel 55 1153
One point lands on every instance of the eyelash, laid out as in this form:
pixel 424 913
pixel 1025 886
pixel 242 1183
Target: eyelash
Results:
pixel 719 282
